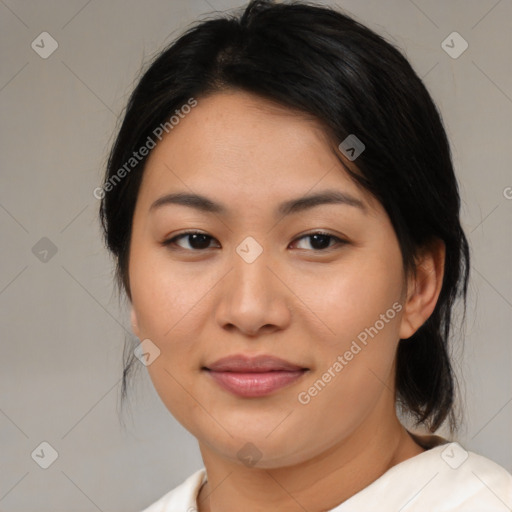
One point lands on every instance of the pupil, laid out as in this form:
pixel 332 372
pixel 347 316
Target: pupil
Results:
pixel 322 246
pixel 204 239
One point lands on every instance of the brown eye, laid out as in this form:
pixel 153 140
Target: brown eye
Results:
pixel 197 241
pixel 320 241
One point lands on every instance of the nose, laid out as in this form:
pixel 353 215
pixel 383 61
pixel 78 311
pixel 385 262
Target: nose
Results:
pixel 253 298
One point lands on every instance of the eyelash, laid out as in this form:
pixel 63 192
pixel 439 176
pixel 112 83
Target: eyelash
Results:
pixel 170 242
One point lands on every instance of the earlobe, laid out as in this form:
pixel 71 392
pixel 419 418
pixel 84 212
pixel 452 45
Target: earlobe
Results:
pixel 135 326
pixel 423 289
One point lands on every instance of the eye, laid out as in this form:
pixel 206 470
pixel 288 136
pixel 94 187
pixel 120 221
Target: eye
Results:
pixel 197 240
pixel 320 240
pixel 200 241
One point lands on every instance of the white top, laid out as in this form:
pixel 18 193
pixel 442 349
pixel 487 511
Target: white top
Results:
pixel 443 478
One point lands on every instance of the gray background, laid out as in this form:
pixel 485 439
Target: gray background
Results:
pixel 62 327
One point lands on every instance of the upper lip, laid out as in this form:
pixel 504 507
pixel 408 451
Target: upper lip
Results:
pixel 261 363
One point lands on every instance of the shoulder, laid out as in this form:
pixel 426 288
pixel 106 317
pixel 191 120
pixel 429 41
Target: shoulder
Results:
pixel 445 478
pixel 482 482
pixel 183 496
pixel 450 477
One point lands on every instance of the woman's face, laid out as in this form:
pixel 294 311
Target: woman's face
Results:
pixel 257 284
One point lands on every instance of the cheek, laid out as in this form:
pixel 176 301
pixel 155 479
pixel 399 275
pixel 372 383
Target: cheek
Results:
pixel 164 293
pixel 355 366
pixel 167 301
pixel 352 295
pixel 359 302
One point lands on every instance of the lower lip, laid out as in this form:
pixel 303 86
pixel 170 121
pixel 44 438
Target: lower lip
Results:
pixel 251 385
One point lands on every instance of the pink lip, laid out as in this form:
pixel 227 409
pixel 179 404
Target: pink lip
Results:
pixel 254 376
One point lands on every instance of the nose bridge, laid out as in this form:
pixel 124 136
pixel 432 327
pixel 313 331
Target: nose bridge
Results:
pixel 252 297
pixel 251 273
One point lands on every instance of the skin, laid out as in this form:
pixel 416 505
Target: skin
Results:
pixel 295 301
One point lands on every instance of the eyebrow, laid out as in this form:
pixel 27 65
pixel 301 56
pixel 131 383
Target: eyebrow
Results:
pixel 289 207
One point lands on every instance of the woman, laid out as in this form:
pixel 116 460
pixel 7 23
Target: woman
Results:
pixel 246 143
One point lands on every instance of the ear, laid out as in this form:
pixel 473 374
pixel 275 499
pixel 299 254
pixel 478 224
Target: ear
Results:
pixel 423 289
pixel 135 325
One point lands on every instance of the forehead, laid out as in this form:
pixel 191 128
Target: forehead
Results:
pixel 241 147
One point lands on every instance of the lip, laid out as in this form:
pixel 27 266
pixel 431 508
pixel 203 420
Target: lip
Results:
pixel 246 364
pixel 254 376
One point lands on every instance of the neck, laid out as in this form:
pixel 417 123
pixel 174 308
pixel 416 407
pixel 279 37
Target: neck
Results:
pixel 320 483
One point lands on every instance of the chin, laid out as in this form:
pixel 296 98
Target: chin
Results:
pixel 259 450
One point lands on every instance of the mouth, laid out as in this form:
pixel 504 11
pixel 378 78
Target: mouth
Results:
pixel 253 377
